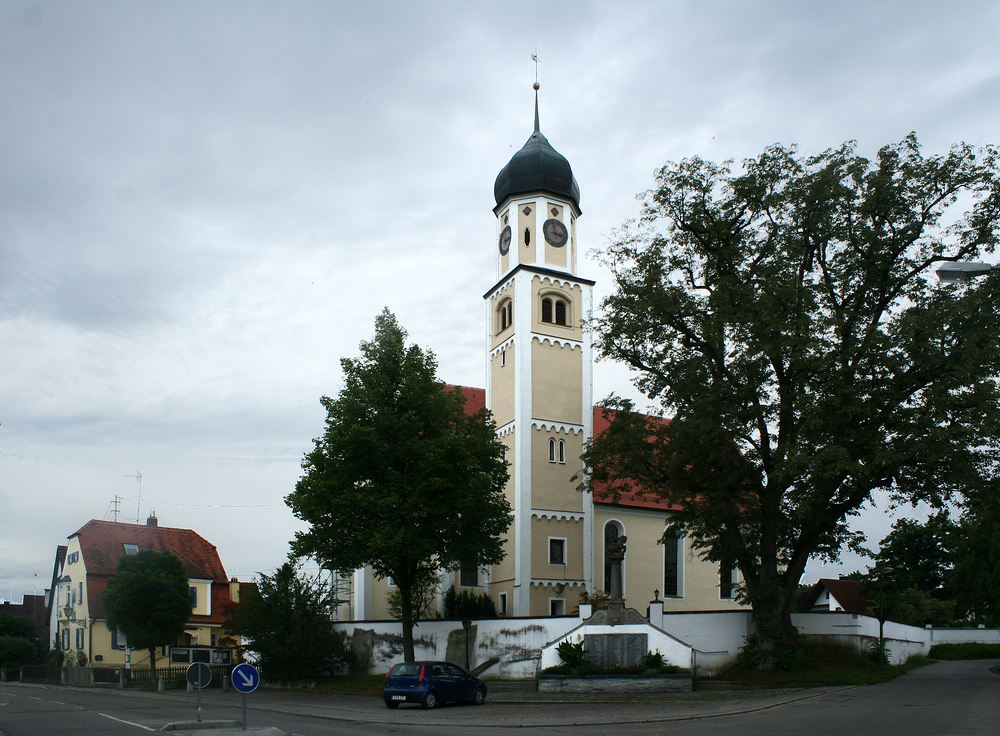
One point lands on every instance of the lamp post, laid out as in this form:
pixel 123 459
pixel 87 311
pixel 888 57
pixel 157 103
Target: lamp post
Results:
pixel 882 572
pixel 467 625
pixel 953 272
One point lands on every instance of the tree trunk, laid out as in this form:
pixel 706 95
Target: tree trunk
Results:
pixel 774 638
pixel 406 619
pixel 152 663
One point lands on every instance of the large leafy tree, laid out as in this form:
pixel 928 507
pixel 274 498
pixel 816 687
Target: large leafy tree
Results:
pixel 976 575
pixel 403 479
pixel 286 622
pixel 920 555
pixel 149 600
pixel 785 315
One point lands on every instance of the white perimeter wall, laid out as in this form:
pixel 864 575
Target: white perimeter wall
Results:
pixel 714 638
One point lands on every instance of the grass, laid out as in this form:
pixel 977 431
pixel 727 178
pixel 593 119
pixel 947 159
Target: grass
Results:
pixel 965 651
pixel 828 665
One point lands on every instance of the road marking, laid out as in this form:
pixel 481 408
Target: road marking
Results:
pixel 137 725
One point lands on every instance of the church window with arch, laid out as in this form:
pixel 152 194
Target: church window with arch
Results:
pixel 555 311
pixel 505 315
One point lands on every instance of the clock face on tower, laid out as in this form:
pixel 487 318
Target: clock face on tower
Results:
pixel 505 241
pixel 555 233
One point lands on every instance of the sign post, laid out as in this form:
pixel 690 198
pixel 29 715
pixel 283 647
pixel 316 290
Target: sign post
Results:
pixel 246 678
pixel 199 675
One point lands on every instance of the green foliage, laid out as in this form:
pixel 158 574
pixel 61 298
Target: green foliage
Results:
pixel 149 599
pixel 879 653
pixel 786 316
pixel 653 660
pixel 824 664
pixel 465 604
pixel 572 653
pixel 17 650
pixel 20 626
pixel 976 575
pixel 914 607
pixel 287 623
pixel 965 651
pixel 422 597
pixel 921 556
pixel 402 479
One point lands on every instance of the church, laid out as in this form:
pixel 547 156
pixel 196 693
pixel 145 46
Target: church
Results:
pixel 539 363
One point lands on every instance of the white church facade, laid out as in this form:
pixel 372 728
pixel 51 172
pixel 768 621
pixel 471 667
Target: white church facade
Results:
pixel 539 388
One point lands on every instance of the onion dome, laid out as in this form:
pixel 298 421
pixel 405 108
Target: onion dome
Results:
pixel 537 167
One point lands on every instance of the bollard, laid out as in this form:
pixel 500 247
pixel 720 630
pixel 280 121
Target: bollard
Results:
pixel 190 688
pixel 225 683
pixel 161 685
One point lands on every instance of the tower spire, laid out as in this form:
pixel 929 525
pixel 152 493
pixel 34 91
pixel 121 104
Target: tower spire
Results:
pixel 535 86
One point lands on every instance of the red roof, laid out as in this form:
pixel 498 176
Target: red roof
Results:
pixel 847 592
pixel 476 400
pixel 102 546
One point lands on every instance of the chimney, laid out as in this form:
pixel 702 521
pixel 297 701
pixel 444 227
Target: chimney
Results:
pixel 151 521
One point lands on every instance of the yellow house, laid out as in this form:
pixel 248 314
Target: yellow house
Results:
pixel 539 359
pixel 83 567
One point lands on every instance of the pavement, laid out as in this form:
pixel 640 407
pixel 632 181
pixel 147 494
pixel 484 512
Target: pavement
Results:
pixel 512 710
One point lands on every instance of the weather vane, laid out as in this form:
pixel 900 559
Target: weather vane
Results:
pixel 534 58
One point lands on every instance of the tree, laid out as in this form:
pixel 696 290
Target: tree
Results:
pixel 149 600
pixel 786 316
pixel 976 576
pixel 921 556
pixel 286 621
pixel 15 632
pixel 403 479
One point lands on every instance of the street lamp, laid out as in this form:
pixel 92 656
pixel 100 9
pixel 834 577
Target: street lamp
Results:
pixel 951 273
pixel 467 625
pixel 882 572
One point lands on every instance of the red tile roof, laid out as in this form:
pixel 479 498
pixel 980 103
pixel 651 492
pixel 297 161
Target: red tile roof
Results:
pixel 101 547
pixel 476 400
pixel 847 592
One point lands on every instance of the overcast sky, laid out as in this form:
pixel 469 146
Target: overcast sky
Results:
pixel 203 206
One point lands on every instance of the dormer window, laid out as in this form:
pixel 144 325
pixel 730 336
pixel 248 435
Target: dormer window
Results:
pixel 130 549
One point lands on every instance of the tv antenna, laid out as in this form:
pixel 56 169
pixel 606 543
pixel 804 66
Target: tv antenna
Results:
pixel 138 501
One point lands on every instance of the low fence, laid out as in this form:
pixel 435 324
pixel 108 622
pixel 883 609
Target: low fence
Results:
pixel 173 677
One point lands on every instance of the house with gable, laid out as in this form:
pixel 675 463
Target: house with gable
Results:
pixel 539 388
pixel 77 620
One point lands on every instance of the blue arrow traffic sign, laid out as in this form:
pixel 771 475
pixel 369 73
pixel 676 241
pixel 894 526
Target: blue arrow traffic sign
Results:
pixel 246 678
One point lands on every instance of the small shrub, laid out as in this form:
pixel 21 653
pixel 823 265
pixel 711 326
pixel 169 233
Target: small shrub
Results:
pixel 967 650
pixel 572 654
pixel 879 653
pixel 468 605
pixel 653 660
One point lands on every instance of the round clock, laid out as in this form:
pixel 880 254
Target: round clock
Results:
pixel 505 241
pixel 555 233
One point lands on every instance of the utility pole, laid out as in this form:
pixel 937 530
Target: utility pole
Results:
pixel 138 501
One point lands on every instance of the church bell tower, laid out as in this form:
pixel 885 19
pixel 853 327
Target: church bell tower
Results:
pixel 539 381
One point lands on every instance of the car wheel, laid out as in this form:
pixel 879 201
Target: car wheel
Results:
pixel 391 704
pixel 479 696
pixel 430 700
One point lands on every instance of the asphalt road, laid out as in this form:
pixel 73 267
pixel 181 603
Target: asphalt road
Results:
pixel 944 699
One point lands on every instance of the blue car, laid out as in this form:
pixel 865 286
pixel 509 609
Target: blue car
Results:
pixel 431 683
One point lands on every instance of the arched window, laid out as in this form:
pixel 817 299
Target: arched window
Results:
pixel 552 451
pixel 560 312
pixel 562 451
pixel 612 530
pixel 555 311
pixel 505 315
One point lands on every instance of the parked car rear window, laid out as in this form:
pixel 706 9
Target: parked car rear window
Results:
pixel 406 669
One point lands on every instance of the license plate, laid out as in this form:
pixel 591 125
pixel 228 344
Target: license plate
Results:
pixel 399 697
